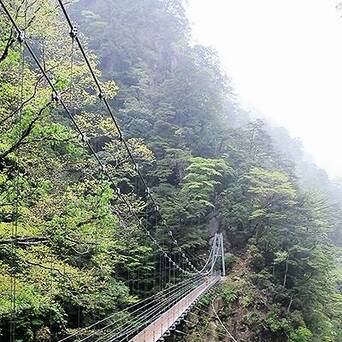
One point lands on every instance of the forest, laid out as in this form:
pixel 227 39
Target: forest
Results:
pixel 70 249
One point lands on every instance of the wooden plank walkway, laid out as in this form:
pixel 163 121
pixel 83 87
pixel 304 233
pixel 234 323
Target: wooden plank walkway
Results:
pixel 162 324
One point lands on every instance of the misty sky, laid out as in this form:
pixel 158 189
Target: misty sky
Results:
pixel 285 59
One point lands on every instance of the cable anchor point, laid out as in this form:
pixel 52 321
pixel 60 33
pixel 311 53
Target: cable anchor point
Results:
pixel 21 36
pixel 102 95
pixel 55 96
pixel 73 32
pixel 84 137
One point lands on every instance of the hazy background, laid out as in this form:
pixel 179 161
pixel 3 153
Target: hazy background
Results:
pixel 285 59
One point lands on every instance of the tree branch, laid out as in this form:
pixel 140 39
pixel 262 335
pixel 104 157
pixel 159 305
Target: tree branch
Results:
pixel 24 134
pixel 10 42
pixel 48 268
pixel 25 241
pixel 24 103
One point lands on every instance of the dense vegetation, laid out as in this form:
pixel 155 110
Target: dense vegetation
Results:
pixel 209 165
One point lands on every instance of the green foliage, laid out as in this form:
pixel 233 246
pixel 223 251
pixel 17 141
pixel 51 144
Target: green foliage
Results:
pixel 207 165
pixel 302 334
pixel 201 178
pixel 275 323
pixel 228 292
pixel 229 260
pixel 247 300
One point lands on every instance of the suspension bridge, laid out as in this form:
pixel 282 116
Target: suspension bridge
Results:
pixel 157 316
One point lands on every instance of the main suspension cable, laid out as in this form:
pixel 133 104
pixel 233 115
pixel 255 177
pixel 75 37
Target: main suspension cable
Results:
pixel 58 99
pixel 14 231
pixel 74 36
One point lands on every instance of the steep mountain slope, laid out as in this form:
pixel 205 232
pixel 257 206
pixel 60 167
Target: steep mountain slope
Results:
pixel 209 167
pixel 254 179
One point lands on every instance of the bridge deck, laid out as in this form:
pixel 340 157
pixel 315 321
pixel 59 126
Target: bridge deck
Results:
pixel 162 324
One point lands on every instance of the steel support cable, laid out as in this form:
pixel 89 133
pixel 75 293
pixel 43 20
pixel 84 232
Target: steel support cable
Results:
pixel 66 109
pixel 55 95
pixel 159 304
pixel 181 249
pixel 214 253
pixel 72 55
pixel 154 241
pixel 188 262
pixel 223 326
pixel 155 313
pixel 148 317
pixel 210 254
pixel 83 137
pixel 102 96
pixel 169 272
pixel 210 257
pixel 153 317
pixel 174 272
pixel 164 304
pixel 127 309
pixel 165 270
pixel 164 293
pixel 216 332
pixel 115 338
pixel 139 317
pixel 14 231
pixel 154 275
pixel 187 259
pixel 215 257
pixel 208 260
pixel 160 271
